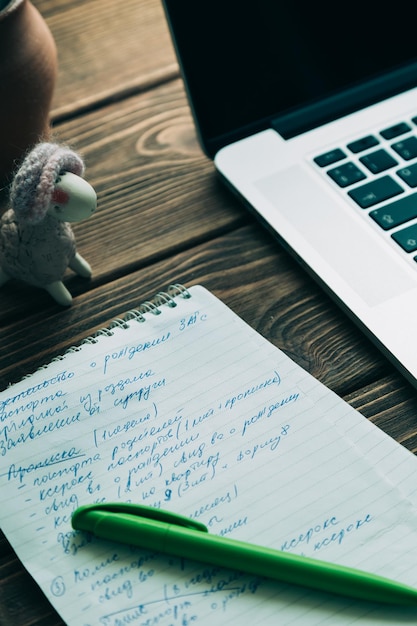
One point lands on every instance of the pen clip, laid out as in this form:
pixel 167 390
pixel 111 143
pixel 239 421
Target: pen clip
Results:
pixel 149 512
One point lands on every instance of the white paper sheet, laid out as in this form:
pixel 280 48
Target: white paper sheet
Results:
pixel 194 412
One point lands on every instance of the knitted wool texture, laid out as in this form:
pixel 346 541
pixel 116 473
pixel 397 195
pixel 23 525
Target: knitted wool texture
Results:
pixel 34 182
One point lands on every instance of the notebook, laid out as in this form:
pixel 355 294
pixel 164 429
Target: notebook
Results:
pixel 309 112
pixel 181 405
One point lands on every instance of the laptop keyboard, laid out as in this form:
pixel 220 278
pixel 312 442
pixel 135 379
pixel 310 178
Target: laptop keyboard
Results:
pixel 379 173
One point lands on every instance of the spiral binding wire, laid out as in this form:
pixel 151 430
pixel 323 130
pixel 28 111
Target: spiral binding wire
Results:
pixel 161 299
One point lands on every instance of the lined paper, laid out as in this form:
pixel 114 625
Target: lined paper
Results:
pixel 194 412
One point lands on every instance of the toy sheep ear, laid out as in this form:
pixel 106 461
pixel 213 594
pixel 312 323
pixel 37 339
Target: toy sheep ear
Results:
pixel 34 183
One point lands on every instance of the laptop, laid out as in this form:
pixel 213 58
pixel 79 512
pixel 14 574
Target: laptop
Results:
pixel 309 113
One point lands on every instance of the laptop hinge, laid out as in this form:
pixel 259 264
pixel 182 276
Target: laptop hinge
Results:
pixel 351 100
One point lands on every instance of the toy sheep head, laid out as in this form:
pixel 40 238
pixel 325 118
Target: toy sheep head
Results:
pixel 49 181
pixel 73 198
pixel 36 240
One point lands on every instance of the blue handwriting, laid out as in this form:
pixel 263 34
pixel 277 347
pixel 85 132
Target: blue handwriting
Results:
pixel 242 395
pixel 131 351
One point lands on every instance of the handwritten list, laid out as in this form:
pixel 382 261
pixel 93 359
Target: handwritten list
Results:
pixel 187 408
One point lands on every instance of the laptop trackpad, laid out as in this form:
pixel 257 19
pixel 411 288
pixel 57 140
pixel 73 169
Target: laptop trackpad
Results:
pixel 349 250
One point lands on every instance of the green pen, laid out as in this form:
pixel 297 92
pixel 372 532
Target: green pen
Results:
pixel 173 534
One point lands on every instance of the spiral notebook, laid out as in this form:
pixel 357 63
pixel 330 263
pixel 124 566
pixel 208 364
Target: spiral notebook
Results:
pixel 183 406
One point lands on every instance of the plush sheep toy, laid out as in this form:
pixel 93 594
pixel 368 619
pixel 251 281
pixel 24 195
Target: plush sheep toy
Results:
pixel 36 241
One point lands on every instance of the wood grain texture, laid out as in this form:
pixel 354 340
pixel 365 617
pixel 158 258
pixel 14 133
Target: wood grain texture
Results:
pixel 21 601
pixel 156 190
pixel 107 50
pixel 391 404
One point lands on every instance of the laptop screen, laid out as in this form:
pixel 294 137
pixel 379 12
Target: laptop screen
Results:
pixel 247 63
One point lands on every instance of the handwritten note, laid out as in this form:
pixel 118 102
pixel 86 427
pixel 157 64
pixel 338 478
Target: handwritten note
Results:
pixel 193 411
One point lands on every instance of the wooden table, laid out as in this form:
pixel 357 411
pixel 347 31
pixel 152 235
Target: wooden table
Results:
pixel 164 217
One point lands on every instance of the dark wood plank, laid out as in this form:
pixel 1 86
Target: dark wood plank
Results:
pixel 21 601
pixel 107 49
pixel 391 403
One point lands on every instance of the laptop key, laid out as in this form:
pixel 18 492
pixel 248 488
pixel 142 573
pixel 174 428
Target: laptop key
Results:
pixel 346 174
pixel 407 149
pixel 330 157
pixel 409 175
pixel 395 131
pixel 363 144
pixel 376 191
pixel 396 213
pixel 378 161
pixel 407 238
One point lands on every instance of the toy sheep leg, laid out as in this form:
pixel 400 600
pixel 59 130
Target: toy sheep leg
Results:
pixel 60 293
pixel 57 289
pixel 80 266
